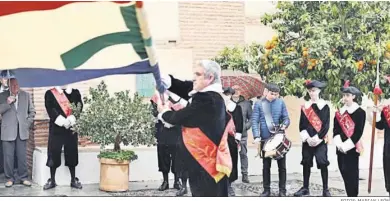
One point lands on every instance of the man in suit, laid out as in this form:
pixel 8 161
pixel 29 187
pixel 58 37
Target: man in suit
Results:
pixel 3 87
pixel 17 111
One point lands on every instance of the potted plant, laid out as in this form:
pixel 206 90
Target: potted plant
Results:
pixel 114 120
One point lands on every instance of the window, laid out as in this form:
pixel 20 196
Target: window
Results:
pixel 145 85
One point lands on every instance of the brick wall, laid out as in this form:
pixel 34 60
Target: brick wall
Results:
pixel 207 27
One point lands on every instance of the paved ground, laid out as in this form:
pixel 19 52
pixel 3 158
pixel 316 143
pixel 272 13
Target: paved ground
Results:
pixel 148 188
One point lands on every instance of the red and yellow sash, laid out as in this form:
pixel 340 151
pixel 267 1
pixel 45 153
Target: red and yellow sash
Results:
pixel 62 101
pixel 348 126
pixel 386 112
pixel 314 120
pixel 216 160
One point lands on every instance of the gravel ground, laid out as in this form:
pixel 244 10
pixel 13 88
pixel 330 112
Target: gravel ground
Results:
pixel 292 186
pixel 149 193
pixel 252 189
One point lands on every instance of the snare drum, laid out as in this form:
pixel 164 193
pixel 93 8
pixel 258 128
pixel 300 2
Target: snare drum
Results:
pixel 276 146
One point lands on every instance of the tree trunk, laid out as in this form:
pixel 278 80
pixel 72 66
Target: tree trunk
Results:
pixel 117 142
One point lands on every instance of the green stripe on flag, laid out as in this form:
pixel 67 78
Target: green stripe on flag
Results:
pixel 83 52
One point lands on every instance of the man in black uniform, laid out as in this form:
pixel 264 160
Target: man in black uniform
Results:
pixel 314 126
pixel 383 123
pixel 57 103
pixel 348 128
pixel 234 139
pixel 206 125
pixel 166 149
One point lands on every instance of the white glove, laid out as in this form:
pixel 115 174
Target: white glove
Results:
pixel 314 141
pixel 166 80
pixel 304 135
pixel 72 120
pixel 67 123
pixel 257 141
pixel 61 121
pixel 347 145
pixel 337 141
pixel 238 136
pixel 340 148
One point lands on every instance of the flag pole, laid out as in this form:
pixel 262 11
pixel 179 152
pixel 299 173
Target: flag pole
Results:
pixel 146 35
pixel 377 92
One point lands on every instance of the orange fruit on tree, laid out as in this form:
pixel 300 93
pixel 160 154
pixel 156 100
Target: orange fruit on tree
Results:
pixel 268 45
pixel 305 53
pixel 274 43
pixel 387 55
pixel 388 46
pixel 313 62
pixel 359 65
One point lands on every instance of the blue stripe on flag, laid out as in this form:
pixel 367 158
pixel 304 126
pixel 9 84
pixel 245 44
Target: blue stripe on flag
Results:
pixel 39 77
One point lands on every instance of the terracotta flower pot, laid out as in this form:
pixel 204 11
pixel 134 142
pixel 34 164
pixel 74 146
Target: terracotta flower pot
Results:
pixel 114 175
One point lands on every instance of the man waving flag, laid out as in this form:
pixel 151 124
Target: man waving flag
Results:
pixel 53 43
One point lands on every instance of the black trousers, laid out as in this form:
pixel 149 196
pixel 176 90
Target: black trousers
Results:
pixel 386 170
pixel 349 169
pixel 54 149
pixel 234 155
pixel 320 152
pixel 267 172
pixel 166 154
pixel 203 185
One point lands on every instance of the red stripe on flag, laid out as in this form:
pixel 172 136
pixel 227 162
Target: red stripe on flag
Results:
pixel 11 7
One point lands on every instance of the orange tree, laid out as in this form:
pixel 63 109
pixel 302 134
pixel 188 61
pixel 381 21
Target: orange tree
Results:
pixel 328 41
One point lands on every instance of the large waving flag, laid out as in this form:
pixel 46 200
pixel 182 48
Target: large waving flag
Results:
pixel 51 43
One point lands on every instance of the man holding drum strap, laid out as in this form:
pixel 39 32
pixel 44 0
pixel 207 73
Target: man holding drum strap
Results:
pixel 269 112
pixel 313 127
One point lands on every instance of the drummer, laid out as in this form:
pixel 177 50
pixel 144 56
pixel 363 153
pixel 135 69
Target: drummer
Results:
pixel 268 112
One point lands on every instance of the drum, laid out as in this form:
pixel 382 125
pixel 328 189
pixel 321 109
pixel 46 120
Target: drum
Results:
pixel 276 146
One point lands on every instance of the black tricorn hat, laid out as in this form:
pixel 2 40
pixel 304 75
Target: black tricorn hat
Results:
pixel 350 89
pixel 314 83
pixel 273 88
pixel 228 90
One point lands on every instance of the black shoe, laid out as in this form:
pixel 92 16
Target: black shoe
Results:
pixel 182 191
pixel 76 184
pixel 245 179
pixel 231 192
pixel 177 185
pixel 164 186
pixel 266 193
pixel 49 185
pixel 326 193
pixel 282 193
pixel 302 192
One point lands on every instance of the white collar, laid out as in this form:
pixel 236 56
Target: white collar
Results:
pixel 68 89
pixel 351 109
pixel 216 87
pixel 320 103
pixel 231 106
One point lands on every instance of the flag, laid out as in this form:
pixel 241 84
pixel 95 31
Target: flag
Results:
pixel 53 43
